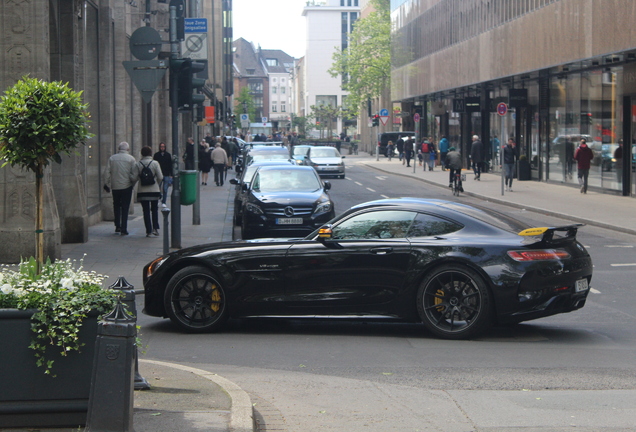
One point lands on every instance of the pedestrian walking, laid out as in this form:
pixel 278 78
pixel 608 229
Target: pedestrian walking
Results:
pixel 443 150
pixel 618 157
pixel 165 162
pixel 219 159
pixel 477 156
pixel 400 148
pixel 188 155
pixel 118 179
pixel 510 157
pixel 390 150
pixel 205 162
pixel 583 157
pixel 432 154
pixel 148 172
pixel 408 151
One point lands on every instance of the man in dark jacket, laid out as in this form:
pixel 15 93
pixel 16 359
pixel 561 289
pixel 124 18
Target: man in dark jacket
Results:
pixel 509 156
pixel 583 157
pixel 408 151
pixel 477 156
pixel 188 155
pixel 165 162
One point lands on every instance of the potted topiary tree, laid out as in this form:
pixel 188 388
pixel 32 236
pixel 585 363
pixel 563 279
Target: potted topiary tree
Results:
pixel 48 310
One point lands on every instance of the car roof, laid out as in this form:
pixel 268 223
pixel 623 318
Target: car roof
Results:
pixel 269 149
pixel 287 167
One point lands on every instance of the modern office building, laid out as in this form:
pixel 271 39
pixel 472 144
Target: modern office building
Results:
pixel 329 23
pixel 565 70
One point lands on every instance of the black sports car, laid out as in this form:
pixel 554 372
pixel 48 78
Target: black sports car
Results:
pixel 456 268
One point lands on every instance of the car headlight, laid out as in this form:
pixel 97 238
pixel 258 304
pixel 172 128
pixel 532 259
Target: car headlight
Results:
pixel 324 207
pixel 253 208
pixel 152 268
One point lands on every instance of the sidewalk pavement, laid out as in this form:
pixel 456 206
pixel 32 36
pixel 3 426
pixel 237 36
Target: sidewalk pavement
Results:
pixel 188 399
pixel 604 210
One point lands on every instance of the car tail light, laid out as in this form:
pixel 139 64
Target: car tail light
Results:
pixel 538 255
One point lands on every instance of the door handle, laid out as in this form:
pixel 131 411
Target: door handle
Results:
pixel 381 250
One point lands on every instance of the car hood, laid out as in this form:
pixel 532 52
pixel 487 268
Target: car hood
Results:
pixel 288 198
pixel 326 160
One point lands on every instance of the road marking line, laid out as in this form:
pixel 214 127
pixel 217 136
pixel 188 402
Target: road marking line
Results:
pixel 594 291
pixel 623 265
pixel 369 189
pixel 358 183
pixel 381 177
pixel 384 196
pixel 619 246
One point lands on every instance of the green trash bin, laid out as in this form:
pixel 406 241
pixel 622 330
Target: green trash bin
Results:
pixel 188 185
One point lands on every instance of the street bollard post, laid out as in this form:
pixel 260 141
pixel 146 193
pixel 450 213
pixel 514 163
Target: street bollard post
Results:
pixel 128 298
pixel 111 400
pixel 166 240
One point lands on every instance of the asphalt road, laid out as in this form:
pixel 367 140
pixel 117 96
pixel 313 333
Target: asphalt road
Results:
pixel 569 371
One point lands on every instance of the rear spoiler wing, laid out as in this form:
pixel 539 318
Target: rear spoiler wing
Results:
pixel 547 233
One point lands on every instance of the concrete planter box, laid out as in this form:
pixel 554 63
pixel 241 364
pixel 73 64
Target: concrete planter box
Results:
pixel 29 398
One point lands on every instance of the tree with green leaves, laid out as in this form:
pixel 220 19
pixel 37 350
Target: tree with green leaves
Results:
pixel 40 121
pixel 366 63
pixel 245 104
pixel 325 115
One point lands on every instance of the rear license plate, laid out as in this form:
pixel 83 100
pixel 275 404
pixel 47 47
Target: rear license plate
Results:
pixel 291 221
pixel 580 285
pixel 329 168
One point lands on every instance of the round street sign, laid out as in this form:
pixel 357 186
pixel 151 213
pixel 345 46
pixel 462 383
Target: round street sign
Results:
pixel 416 117
pixel 145 43
pixel 502 109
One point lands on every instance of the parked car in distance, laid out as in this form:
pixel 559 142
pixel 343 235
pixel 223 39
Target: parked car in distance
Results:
pixel 327 161
pixel 242 182
pixel 261 153
pixel 457 269
pixel 287 201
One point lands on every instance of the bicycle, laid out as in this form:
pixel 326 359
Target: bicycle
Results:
pixel 458 179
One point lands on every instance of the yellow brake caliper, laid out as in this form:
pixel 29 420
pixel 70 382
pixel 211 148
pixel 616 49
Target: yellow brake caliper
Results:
pixel 216 299
pixel 438 301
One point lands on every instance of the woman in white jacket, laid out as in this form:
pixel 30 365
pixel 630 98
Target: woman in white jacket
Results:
pixel 149 194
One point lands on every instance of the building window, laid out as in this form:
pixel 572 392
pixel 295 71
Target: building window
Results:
pixel 271 62
pixel 274 90
pixel 283 108
pixel 282 90
pixel 250 71
pixel 274 109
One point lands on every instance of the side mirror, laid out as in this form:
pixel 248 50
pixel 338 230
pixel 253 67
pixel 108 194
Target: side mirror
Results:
pixel 244 187
pixel 234 181
pixel 327 185
pixel 325 233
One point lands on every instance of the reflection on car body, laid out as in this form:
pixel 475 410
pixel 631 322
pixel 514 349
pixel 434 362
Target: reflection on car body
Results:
pixel 456 268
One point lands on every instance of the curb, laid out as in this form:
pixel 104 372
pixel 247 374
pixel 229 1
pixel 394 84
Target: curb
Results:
pixel 241 415
pixel 585 221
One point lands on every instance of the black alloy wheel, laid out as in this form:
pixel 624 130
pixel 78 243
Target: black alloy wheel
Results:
pixel 195 300
pixel 454 302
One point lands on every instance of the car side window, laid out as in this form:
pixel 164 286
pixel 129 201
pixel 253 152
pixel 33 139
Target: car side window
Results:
pixel 426 225
pixel 375 225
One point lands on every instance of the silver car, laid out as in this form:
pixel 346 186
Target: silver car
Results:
pixel 327 161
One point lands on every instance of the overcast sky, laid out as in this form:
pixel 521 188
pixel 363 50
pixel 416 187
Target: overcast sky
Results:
pixel 274 24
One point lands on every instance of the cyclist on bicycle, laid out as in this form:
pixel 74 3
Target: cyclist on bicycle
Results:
pixel 454 164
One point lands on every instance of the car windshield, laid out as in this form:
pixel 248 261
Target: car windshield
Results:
pixel 301 151
pixel 287 180
pixel 324 152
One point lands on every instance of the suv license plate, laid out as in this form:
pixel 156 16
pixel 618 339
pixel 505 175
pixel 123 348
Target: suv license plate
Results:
pixel 292 221
pixel 580 285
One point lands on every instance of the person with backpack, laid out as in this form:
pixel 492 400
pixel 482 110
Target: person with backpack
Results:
pixel 147 172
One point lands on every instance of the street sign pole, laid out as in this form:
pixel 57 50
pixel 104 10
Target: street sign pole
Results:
pixel 502 110
pixel 175 197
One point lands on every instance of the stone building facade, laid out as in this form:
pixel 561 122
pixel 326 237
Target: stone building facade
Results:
pixel 83 42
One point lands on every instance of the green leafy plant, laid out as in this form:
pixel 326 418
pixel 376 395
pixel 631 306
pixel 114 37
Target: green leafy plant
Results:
pixel 39 121
pixel 63 295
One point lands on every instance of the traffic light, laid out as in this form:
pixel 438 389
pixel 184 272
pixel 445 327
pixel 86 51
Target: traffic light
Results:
pixel 187 83
pixel 375 120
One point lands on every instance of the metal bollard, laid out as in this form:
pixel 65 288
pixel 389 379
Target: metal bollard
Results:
pixel 128 298
pixel 166 241
pixel 111 400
